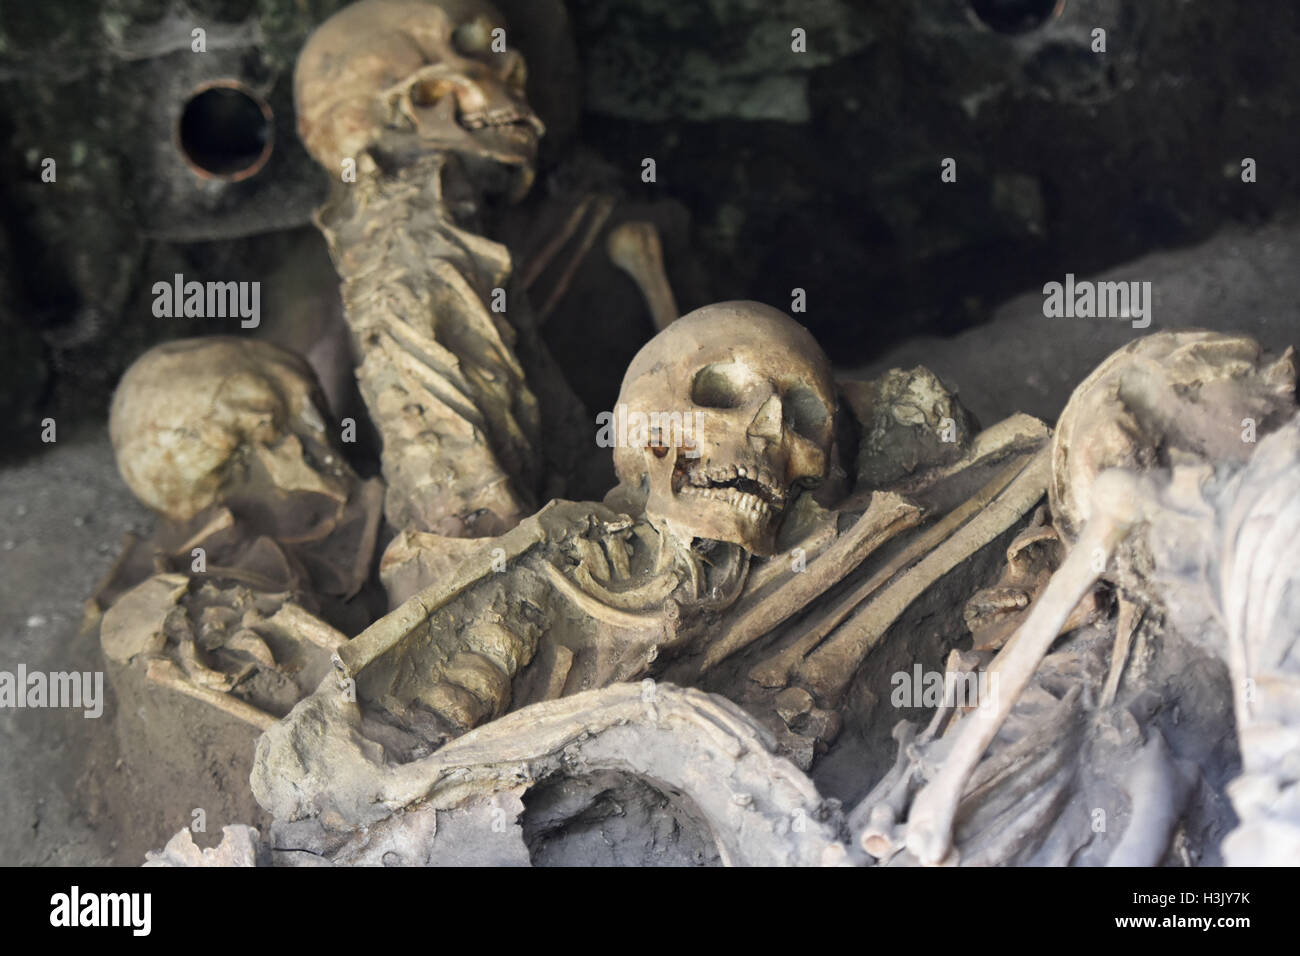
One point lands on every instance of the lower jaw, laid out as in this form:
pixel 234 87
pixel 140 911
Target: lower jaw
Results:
pixel 755 535
pixel 495 174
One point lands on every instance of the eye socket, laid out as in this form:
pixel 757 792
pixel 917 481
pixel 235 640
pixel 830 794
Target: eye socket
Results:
pixel 805 412
pixel 720 386
pixel 517 78
pixel 473 38
pixel 428 93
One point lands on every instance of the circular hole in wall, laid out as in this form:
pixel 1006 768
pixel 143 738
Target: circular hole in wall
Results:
pixel 1015 16
pixel 225 131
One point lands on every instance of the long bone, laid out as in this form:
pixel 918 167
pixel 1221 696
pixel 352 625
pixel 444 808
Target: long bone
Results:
pixel 1116 509
pixel 775 671
pixel 413 614
pixel 635 248
pixel 875 821
pixel 828 670
pixel 887 516
pixel 604 206
pixel 1159 792
pixel 1001 440
pixel 1012 798
pixel 1130 618
pixel 537 264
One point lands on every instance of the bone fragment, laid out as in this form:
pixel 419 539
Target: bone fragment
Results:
pixel 238 847
pixel 220 521
pixel 875 819
pixel 1159 794
pixel 1130 616
pixel 1116 509
pixel 604 206
pixel 594 608
pixel 414 613
pixel 532 271
pixel 829 669
pixel 167 674
pixel 775 671
pixel 887 516
pixel 635 248
pixel 293 622
pixel 134 624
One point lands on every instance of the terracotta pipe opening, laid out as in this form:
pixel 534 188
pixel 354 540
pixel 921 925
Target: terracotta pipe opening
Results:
pixel 1016 16
pixel 225 130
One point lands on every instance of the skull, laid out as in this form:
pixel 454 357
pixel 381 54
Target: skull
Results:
pixel 410 77
pixel 223 420
pixel 1189 395
pixel 729 411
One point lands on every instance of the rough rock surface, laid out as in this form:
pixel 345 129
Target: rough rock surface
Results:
pixel 817 170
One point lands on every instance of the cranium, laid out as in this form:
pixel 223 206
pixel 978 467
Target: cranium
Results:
pixel 1167 395
pixel 245 428
pixel 739 405
pixel 1138 442
pixel 415 76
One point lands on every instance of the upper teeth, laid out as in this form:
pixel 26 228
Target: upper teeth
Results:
pixel 501 117
pixel 703 475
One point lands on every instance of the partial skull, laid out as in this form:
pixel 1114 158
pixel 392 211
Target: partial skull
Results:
pixel 416 76
pixel 222 420
pixel 730 412
pixel 1162 399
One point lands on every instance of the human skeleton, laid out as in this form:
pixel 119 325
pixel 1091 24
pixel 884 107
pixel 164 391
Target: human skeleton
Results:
pixel 555 646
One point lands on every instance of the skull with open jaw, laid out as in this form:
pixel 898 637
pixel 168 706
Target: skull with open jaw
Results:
pixel 756 401
pixel 412 77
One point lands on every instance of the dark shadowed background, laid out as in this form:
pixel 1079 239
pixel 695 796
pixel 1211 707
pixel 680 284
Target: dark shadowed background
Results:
pixel 817 170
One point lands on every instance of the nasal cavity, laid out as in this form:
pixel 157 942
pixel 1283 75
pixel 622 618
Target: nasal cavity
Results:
pixel 1015 16
pixel 225 131
pixel 767 423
